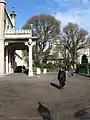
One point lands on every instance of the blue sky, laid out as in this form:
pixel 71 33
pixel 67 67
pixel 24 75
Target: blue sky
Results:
pixel 76 11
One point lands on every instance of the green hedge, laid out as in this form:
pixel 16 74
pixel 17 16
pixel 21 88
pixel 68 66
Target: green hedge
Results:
pixel 83 68
pixel 84 74
pixel 50 66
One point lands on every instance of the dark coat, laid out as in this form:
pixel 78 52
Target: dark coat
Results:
pixel 61 76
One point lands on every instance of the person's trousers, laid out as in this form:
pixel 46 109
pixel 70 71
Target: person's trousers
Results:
pixel 62 83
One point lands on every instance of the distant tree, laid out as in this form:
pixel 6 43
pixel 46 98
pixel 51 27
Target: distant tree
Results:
pixel 47 29
pixel 74 39
pixel 25 56
pixel 62 52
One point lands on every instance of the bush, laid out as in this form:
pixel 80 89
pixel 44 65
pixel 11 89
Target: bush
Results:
pixel 84 74
pixel 82 68
pixel 50 66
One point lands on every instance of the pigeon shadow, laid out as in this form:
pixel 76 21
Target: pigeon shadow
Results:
pixel 55 85
pixel 44 112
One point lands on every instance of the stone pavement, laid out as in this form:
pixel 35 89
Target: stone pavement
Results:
pixel 20 94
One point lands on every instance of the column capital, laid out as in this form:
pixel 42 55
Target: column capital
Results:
pixel 30 41
pixel 26 43
pixel 6 43
pixel 2 39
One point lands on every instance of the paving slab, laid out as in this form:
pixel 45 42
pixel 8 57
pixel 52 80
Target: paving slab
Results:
pixel 20 94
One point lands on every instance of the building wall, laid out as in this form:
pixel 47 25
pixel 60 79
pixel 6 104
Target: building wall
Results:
pixel 8 22
pixel 81 52
pixel 85 51
pixel 9 26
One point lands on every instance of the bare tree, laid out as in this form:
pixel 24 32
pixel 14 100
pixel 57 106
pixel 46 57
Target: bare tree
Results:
pixel 47 29
pixel 74 39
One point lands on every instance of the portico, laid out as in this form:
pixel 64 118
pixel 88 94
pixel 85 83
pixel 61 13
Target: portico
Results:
pixel 11 40
pixel 18 40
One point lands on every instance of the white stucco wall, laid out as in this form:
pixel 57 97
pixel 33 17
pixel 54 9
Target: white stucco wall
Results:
pixel 81 52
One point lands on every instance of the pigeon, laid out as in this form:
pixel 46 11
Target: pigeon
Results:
pixel 44 112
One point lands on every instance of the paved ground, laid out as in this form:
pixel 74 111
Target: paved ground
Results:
pixel 20 94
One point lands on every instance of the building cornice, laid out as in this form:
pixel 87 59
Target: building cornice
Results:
pixel 3 1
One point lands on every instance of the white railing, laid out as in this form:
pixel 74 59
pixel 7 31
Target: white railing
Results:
pixel 18 31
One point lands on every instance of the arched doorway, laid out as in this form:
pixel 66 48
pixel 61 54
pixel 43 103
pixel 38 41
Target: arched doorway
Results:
pixel 84 59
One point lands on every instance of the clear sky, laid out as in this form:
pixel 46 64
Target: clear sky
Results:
pixel 76 11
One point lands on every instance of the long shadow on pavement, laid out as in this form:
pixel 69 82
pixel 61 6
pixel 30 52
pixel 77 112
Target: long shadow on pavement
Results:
pixel 55 85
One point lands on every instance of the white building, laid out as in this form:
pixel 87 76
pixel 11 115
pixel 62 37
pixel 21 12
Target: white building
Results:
pixel 84 51
pixel 12 40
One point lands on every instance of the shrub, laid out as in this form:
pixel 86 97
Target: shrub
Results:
pixel 82 68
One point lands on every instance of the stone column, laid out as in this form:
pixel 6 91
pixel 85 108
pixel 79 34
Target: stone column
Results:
pixel 2 12
pixel 12 61
pixel 6 61
pixel 29 44
pixel 10 68
pixel 30 58
pixel 2 6
pixel 2 58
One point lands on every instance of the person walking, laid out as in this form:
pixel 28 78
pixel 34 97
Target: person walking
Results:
pixel 62 77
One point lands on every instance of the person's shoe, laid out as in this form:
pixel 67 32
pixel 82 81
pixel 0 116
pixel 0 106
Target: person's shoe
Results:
pixel 60 87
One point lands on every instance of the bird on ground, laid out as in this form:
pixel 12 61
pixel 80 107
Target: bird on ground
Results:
pixel 44 112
